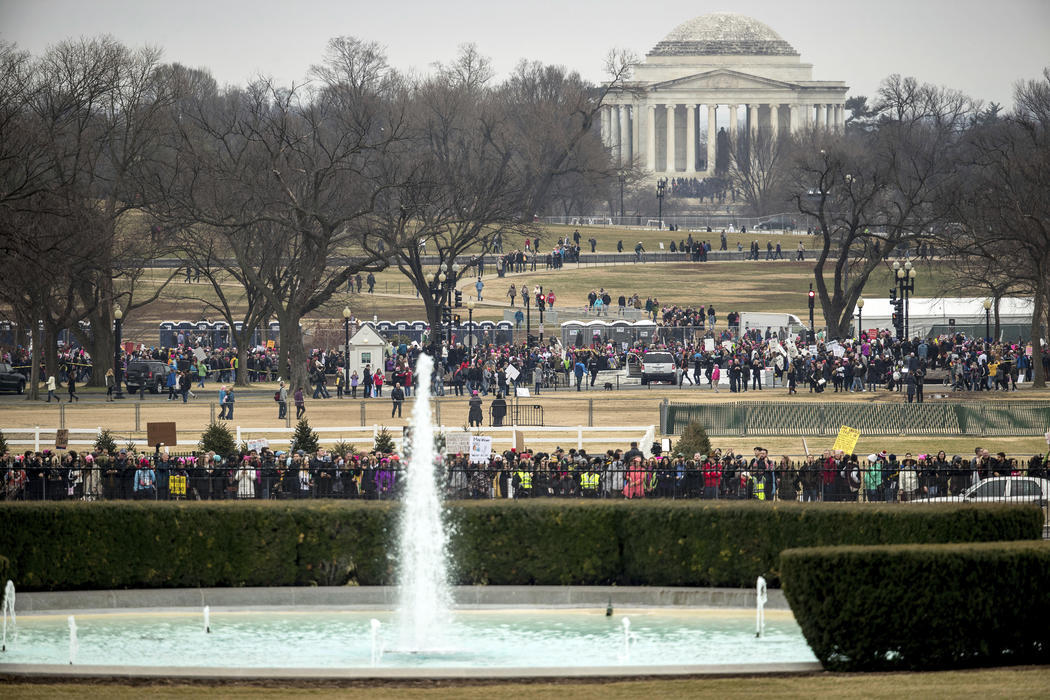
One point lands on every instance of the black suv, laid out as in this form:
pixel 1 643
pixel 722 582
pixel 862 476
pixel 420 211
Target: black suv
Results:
pixel 152 374
pixel 11 380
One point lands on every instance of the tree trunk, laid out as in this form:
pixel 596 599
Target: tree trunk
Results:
pixel 99 343
pixel 1039 299
pixel 50 349
pixel 33 392
pixel 242 339
pixel 996 301
pixel 292 348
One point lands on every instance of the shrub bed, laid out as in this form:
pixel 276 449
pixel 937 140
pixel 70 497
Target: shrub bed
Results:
pixel 51 546
pixel 922 607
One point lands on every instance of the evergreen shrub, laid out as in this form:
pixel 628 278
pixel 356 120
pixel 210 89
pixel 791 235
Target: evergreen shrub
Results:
pixel 922 607
pixel 119 544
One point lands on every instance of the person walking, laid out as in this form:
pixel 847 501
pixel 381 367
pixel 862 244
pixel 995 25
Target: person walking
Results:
pixel 184 385
pixel 229 404
pixel 511 293
pixel 71 383
pixel 354 381
pixel 300 403
pixel 479 285
pixel 51 389
pixel 474 415
pixel 110 383
pixel 397 395
pixel 172 382
pixel 282 401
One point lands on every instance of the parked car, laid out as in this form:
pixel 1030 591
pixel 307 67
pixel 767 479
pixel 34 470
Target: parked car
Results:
pixel 1015 489
pixel 11 380
pixel 151 374
pixel 658 367
pixel 777 223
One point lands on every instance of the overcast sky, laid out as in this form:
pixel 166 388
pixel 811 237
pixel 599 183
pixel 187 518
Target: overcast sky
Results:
pixel 977 46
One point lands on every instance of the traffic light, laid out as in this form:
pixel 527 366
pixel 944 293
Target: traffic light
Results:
pixel 459 299
pixel 446 316
pixel 812 299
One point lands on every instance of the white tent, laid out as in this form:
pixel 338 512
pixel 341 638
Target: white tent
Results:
pixel 926 312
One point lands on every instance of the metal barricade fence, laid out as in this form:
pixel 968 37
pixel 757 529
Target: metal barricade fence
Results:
pixel 785 418
pixel 497 480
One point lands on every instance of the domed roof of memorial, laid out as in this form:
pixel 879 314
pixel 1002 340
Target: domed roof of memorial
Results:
pixel 725 34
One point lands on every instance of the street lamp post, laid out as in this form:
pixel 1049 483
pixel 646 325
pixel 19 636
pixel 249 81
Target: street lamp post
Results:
pixel 346 347
pixel 623 179
pixel 470 327
pixel 860 317
pixel 906 283
pixel 987 320
pixel 528 317
pixel 812 303
pixel 661 187
pixel 118 368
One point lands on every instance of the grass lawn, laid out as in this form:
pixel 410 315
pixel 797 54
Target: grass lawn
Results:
pixel 562 408
pixel 1022 682
pixel 776 286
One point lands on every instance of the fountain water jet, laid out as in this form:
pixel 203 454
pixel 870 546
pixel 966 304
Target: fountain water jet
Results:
pixel 74 646
pixel 422 540
pixel 9 607
pixel 760 606
pixel 207 619
pixel 377 651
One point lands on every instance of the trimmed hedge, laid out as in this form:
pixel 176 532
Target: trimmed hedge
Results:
pixel 76 545
pixel 922 607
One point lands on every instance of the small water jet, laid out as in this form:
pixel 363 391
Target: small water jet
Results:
pixel 74 646
pixel 207 620
pixel 760 606
pixel 9 608
pixel 377 650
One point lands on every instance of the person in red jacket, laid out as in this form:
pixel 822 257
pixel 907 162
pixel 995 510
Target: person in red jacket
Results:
pixel 712 470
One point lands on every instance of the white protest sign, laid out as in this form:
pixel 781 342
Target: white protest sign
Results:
pixel 457 442
pixel 258 445
pixel 709 344
pixel 512 372
pixel 480 448
pixel 522 392
pixel 1048 438
pixel 199 354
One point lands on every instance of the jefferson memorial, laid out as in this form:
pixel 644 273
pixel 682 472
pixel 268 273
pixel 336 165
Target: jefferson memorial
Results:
pixel 720 60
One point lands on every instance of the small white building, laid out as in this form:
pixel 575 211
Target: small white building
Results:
pixel 366 348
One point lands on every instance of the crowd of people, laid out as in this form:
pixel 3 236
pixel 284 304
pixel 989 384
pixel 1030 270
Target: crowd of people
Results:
pixel 616 474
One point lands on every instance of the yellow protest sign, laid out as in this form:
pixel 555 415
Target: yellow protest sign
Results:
pixel 847 439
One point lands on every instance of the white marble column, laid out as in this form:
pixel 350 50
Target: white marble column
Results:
pixel 712 136
pixel 690 138
pixel 605 125
pixel 792 118
pixel 840 114
pixel 774 120
pixel 625 135
pixel 669 166
pixel 732 122
pixel 821 118
pixel 650 129
pixel 752 118
pixel 636 133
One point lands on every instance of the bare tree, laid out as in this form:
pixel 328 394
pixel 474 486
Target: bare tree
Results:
pixel 872 192
pixel 759 168
pixel 287 176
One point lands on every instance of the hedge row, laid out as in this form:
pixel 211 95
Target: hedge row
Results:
pixel 922 606
pixel 53 546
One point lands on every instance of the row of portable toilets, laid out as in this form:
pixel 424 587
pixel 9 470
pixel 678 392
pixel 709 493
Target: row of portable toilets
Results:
pixel 217 333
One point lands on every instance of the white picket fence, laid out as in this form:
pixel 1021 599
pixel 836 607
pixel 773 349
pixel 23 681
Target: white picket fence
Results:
pixel 565 436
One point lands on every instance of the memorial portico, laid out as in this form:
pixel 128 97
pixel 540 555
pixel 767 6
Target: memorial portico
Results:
pixel 666 119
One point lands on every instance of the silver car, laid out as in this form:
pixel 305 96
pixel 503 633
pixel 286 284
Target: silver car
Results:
pixel 1013 489
pixel 658 367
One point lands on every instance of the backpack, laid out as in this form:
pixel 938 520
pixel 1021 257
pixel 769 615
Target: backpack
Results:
pixel 277 396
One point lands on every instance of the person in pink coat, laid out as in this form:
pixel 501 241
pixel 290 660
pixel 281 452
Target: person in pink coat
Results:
pixel 634 484
pixel 715 374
